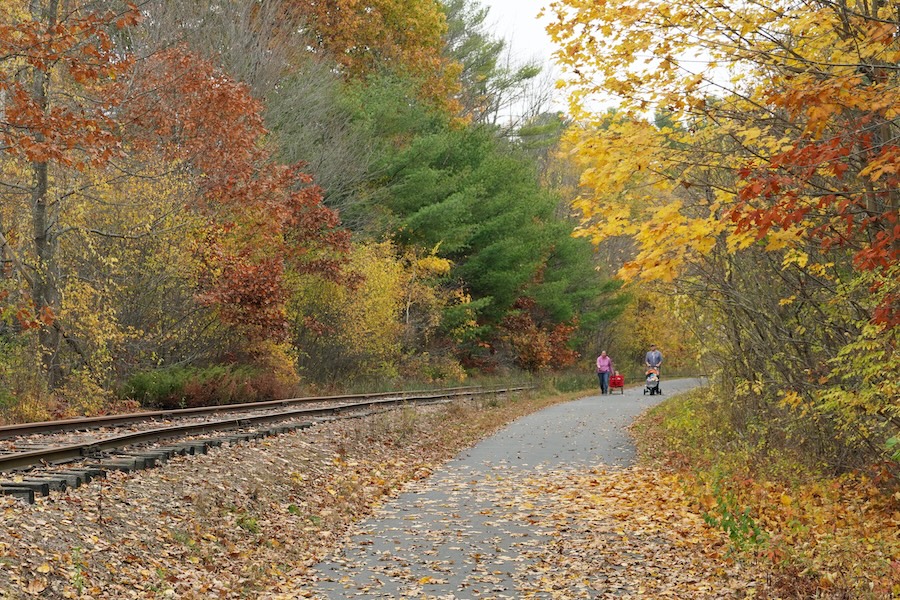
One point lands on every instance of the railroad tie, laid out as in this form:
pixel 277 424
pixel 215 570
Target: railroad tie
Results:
pixel 72 480
pixel 38 487
pixel 192 447
pixel 124 465
pixel 237 438
pixel 86 474
pixel 44 483
pixel 23 493
pixel 55 484
pixel 141 460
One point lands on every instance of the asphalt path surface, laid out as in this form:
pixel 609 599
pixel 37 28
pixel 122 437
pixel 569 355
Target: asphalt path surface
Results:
pixel 460 534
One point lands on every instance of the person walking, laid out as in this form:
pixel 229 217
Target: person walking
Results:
pixel 604 368
pixel 654 358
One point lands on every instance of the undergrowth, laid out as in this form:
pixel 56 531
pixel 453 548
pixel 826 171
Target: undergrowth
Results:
pixel 187 387
pixel 821 535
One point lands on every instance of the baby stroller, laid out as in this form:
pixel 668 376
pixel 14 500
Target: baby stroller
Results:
pixel 652 386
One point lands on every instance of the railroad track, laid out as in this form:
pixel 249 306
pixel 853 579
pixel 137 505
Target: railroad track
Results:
pixel 37 458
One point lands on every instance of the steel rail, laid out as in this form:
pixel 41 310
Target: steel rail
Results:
pixel 91 448
pixel 21 429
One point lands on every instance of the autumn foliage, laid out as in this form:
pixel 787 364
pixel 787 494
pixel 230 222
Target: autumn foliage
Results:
pixel 162 206
pixel 538 345
pixel 79 125
pixel 164 238
pixel 764 189
pixel 808 118
pixel 80 134
pixel 265 218
pixel 362 36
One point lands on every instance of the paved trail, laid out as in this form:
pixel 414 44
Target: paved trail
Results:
pixel 461 534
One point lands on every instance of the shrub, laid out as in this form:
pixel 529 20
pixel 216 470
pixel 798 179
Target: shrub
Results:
pixel 185 387
pixel 23 393
pixel 432 369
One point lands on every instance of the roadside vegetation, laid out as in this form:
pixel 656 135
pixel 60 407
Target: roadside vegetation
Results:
pixel 748 176
pixel 818 532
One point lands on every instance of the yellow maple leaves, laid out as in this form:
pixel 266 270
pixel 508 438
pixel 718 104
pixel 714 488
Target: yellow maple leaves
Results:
pixel 629 191
pixel 743 87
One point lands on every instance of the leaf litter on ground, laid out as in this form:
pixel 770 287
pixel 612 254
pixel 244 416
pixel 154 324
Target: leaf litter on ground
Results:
pixel 253 519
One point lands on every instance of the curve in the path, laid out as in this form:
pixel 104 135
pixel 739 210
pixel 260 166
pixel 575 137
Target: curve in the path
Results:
pixel 460 534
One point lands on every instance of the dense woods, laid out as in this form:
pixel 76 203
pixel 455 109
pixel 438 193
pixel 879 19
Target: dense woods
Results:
pixel 222 201
pixel 217 201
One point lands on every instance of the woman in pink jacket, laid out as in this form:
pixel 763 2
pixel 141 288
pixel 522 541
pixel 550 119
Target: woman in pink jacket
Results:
pixel 604 368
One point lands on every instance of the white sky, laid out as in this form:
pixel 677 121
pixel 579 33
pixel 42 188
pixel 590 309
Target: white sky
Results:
pixel 516 21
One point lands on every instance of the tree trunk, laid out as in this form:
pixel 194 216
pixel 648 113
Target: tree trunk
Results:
pixel 45 222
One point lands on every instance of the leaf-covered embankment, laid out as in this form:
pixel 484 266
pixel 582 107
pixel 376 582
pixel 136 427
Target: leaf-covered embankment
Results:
pixel 818 534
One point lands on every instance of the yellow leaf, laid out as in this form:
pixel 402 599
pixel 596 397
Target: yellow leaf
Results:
pixel 786 500
pixel 792 399
pixel 776 240
pixel 751 134
pixel 740 241
pixel 44 568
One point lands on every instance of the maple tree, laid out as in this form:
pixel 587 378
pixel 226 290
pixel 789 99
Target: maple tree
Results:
pixel 808 117
pixel 771 159
pixel 265 218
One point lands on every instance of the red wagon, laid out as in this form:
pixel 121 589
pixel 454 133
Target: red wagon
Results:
pixel 617 382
